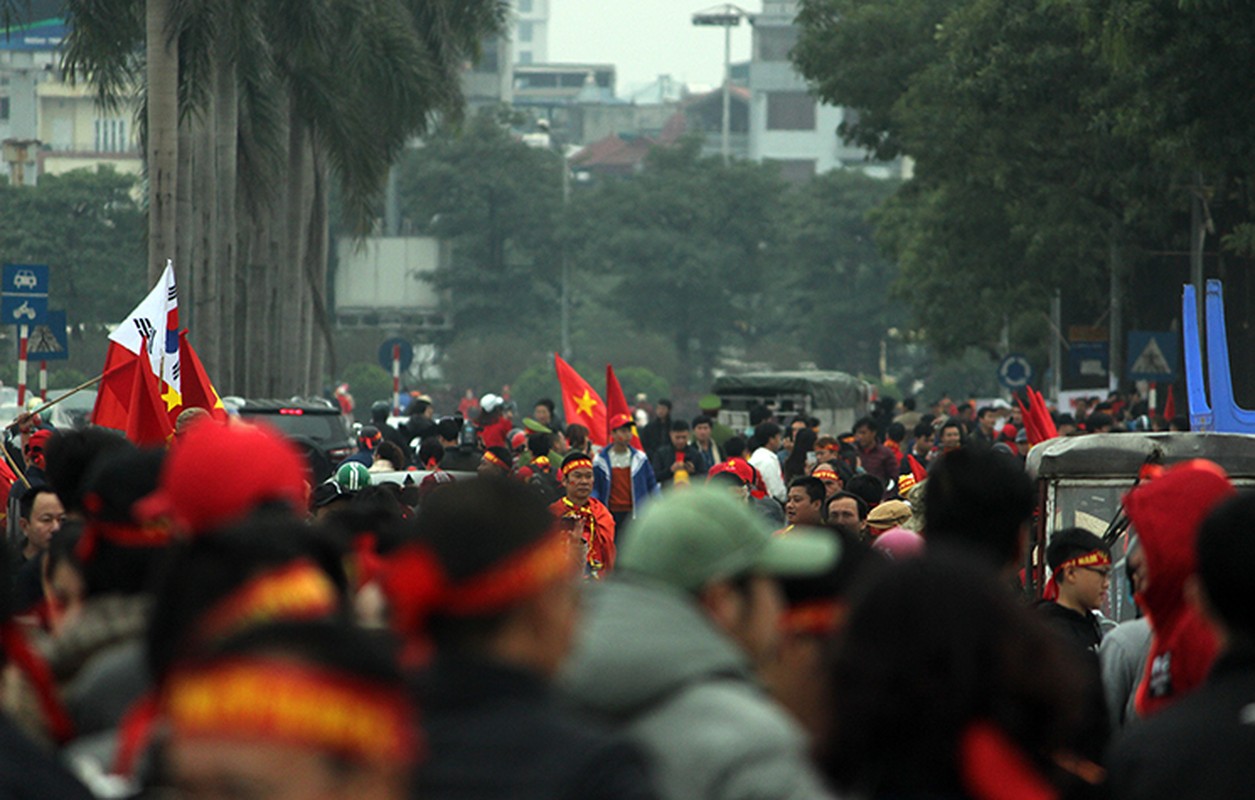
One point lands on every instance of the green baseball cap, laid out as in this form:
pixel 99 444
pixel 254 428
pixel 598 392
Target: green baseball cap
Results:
pixel 710 402
pixel 535 427
pixel 689 537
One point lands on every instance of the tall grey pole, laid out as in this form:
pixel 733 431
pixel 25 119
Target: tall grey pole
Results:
pixel 727 93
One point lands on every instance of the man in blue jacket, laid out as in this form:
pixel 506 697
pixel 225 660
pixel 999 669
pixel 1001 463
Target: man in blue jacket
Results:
pixel 622 476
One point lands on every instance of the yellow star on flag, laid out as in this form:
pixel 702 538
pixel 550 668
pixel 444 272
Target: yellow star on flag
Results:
pixel 173 399
pixel 585 404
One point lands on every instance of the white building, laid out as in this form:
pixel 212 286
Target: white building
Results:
pixel 788 124
pixel 530 31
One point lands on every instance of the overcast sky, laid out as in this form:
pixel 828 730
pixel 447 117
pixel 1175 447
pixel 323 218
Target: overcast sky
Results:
pixel 644 39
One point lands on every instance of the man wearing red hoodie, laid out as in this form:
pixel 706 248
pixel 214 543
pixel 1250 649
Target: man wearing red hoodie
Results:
pixel 1166 511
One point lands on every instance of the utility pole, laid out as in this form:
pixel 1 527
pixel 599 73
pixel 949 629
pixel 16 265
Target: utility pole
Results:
pixel 726 16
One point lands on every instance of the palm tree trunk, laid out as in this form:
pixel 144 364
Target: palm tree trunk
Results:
pixel 206 306
pixel 220 361
pixel 294 366
pixel 184 218
pixel 163 145
pixel 322 344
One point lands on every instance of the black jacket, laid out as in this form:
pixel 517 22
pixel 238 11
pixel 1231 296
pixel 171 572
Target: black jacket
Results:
pixel 1199 747
pixel 664 457
pixel 26 772
pixel 496 732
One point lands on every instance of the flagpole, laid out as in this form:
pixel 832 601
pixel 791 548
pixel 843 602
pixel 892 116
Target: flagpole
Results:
pixel 59 398
pixel 16 470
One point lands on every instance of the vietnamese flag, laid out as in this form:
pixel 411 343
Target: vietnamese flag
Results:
pixel 1170 405
pixel 198 390
pixel 147 419
pixel 580 404
pixel 617 403
pixel 113 396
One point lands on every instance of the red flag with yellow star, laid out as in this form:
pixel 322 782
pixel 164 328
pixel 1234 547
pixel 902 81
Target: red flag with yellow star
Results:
pixel 618 404
pixel 580 404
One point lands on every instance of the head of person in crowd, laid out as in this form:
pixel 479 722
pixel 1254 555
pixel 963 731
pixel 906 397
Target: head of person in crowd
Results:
pixel 887 515
pixel 662 409
pixel 1226 559
pixel 70 454
pixel 826 448
pixel 1080 566
pixel 966 413
pixel 815 610
pixel 848 512
pixel 896 433
pixel 945 685
pixel 621 432
pixel 805 504
pixel 430 453
pixel 577 437
pixel 709 405
pixel 121 554
pixel 951 435
pixel 577 477
pixel 368 438
pixel 735 447
pixel 380 410
pixel 543 411
pixel 1167 511
pixel 518 443
pixel 760 414
pixel 496 462
pixel 267 568
pixel 865 433
pixel 703 427
pixel 64 587
pixel 986 417
pixel 448 429
pixel 800 455
pixel 539 445
pixel 923 443
pixel 292 710
pixel 187 418
pixel 899 544
pixel 868 487
pixel 726 477
pixel 40 515
pixel 388 458
pixel 491 408
pixel 34 448
pixel 508 593
pixel 768 435
pixel 679 435
pixel 831 478
pixel 724 557
pixel 221 473
pixel 1099 422
pixel 981 501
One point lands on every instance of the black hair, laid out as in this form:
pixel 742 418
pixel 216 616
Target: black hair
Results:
pixel 765 431
pixel 735 446
pixel 812 422
pixel 418 407
pixel 448 429
pixel 866 422
pixel 895 432
pixel 116 481
pixel 1226 557
pixel 70 454
pixel 205 570
pixel 392 453
pixel 857 563
pixel 814 487
pixel 924 430
pixel 983 410
pixel 430 449
pixel 759 414
pixel 863 507
pixel 539 444
pixel 803 444
pixel 664 402
pixel 1097 420
pixel 908 403
pixel 963 650
pixel 702 419
pixel 952 422
pixel 505 455
pixel 978 499
pixel 679 425
pixel 866 486
pixel 27 501
pixel 727 477
pixel 379 411
pixel 471 526
pixel 547 402
pixel 577 435
pixel 1070 543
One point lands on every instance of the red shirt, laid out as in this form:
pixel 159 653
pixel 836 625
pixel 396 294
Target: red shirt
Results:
pixel 598 532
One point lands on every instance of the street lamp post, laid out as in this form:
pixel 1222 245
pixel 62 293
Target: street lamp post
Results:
pixel 726 16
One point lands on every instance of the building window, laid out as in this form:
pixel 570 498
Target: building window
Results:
pixel 525 57
pixel 774 44
pixel 525 31
pixel 110 136
pixel 4 108
pixel 489 57
pixel 790 111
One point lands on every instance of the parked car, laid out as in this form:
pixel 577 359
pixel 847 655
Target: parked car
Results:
pixel 314 424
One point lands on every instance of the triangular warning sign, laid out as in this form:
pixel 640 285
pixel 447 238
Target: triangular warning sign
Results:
pixel 43 340
pixel 1151 361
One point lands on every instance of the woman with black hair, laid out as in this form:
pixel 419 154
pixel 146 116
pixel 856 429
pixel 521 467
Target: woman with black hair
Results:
pixel 795 466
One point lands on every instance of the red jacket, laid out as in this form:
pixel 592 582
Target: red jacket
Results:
pixel 598 532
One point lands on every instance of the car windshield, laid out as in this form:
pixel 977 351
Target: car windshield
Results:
pixel 319 427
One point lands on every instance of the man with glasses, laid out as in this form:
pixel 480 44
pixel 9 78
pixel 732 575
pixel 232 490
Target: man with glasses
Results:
pixel 1080 566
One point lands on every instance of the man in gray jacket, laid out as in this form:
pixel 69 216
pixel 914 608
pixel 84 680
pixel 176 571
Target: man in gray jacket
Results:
pixel 671 642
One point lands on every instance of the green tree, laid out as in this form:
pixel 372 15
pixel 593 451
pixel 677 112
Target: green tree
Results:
pixel 87 227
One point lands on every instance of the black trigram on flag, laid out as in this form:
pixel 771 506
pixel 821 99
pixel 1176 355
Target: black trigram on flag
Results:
pixel 147 330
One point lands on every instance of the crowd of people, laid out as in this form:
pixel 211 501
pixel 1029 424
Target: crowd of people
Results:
pixel 479 606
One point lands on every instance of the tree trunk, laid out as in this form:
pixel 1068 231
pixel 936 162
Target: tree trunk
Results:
pixel 184 223
pixel 206 299
pixel 322 343
pixel 220 360
pixel 294 365
pixel 163 144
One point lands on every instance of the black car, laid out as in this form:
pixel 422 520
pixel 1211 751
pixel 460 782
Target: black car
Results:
pixel 314 424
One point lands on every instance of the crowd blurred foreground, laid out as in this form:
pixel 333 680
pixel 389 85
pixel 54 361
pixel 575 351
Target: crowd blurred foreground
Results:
pixel 475 606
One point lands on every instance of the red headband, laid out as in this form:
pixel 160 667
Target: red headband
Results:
pixel 493 458
pixel 271 700
pixel 298 590
pixel 1095 558
pixel 582 462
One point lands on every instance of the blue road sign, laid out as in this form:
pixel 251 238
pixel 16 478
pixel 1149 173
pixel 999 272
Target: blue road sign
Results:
pixel 1014 372
pixel 48 340
pixel 25 294
pixel 1153 355
pixel 385 354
